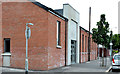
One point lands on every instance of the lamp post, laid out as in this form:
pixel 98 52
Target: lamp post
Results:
pixel 27 34
pixel 111 33
pixel 111 51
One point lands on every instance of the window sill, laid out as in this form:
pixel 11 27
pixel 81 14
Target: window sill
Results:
pixel 59 46
pixel 6 54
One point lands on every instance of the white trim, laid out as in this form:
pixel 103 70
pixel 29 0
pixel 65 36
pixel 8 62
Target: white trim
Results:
pixel 6 54
pixel 59 46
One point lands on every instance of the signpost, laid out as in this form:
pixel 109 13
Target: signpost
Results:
pixel 27 34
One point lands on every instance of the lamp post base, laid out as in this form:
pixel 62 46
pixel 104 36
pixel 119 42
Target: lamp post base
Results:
pixel 26 72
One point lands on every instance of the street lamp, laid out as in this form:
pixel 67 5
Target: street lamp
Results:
pixel 27 34
pixel 111 33
pixel 111 50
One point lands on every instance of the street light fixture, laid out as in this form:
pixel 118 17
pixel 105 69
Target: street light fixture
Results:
pixel 27 34
pixel 29 24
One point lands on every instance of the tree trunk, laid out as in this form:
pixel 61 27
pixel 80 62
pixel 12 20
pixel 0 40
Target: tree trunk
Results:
pixel 98 51
pixel 102 57
pixel 105 57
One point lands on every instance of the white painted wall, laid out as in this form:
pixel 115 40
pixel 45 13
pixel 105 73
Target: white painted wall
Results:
pixel 73 30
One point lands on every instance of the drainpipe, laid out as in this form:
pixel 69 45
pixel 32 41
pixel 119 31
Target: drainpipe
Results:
pixel 80 45
pixel 66 23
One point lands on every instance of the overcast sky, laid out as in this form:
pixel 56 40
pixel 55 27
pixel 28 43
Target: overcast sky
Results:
pixel 98 7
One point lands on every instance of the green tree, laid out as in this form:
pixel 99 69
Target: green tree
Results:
pixel 100 34
pixel 116 41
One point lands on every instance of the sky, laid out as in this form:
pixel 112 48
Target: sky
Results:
pixel 98 7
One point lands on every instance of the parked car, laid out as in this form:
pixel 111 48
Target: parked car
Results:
pixel 116 62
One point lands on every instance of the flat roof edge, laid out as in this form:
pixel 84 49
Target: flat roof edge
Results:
pixel 71 7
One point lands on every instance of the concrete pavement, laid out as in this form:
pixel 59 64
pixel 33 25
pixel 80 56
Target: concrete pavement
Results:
pixel 91 66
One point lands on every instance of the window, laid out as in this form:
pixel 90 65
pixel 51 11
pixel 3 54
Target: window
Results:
pixel 117 57
pixel 90 44
pixel 58 33
pixel 82 43
pixel 85 43
pixel 7 45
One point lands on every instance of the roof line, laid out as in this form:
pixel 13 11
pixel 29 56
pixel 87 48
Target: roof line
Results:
pixel 85 29
pixel 48 9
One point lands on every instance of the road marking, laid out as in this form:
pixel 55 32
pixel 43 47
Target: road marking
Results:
pixel 109 69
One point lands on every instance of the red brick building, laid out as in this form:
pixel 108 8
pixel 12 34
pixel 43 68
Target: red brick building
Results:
pixel 84 34
pixel 46 46
pixel 104 51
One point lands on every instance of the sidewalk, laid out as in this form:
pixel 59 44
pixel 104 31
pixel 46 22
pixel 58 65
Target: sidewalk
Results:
pixel 91 66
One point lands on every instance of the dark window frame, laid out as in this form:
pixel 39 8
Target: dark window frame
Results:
pixel 85 43
pixel 82 42
pixel 58 33
pixel 6 43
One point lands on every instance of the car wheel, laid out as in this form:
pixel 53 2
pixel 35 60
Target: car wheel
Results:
pixel 113 70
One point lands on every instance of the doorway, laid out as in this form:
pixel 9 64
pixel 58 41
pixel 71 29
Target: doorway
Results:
pixel 73 51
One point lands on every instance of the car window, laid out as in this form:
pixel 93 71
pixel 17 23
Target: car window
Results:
pixel 117 57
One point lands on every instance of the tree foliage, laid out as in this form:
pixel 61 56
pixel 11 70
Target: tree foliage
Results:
pixel 116 41
pixel 100 35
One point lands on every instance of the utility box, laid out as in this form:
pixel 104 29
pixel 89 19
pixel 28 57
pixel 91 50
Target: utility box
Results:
pixel 6 59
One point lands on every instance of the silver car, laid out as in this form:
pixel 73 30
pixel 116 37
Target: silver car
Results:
pixel 116 62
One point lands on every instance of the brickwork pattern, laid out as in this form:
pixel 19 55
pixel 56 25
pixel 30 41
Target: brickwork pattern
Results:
pixel 42 51
pixel 84 52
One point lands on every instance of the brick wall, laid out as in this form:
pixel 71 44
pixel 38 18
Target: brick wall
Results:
pixel 42 51
pixel 106 52
pixel 84 47
pixel 56 56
